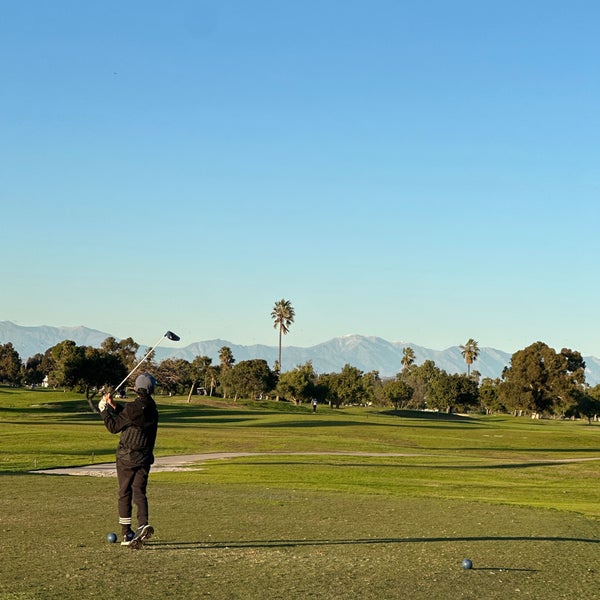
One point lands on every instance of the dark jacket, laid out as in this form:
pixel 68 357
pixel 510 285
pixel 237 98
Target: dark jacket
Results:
pixel 137 422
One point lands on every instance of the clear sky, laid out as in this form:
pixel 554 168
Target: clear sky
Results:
pixel 425 171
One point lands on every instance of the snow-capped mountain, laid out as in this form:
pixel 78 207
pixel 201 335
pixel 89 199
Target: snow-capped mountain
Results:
pixel 364 352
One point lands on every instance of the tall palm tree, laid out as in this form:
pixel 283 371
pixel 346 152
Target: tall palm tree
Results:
pixel 470 352
pixel 226 357
pixel 408 357
pixel 227 362
pixel 283 316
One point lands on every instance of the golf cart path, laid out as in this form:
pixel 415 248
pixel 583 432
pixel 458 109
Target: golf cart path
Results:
pixel 189 462
pixel 193 462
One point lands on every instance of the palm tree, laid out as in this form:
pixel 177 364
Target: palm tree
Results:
pixel 408 357
pixel 283 316
pixel 470 352
pixel 226 357
pixel 227 362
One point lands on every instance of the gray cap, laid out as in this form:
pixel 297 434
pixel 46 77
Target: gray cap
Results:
pixel 145 381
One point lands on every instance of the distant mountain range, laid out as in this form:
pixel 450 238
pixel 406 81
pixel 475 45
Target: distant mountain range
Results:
pixel 364 352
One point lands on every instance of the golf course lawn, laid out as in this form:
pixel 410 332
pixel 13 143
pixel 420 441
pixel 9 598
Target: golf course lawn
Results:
pixel 349 503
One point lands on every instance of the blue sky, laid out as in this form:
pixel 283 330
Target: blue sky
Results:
pixel 423 171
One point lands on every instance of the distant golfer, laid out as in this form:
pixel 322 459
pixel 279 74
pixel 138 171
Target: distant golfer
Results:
pixel 314 404
pixel 137 422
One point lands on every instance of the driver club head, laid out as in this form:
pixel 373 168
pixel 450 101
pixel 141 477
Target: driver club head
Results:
pixel 172 336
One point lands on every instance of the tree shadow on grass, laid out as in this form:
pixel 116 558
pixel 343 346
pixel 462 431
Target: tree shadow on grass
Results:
pixel 318 423
pixel 427 415
pixel 236 544
pixel 264 459
pixel 69 408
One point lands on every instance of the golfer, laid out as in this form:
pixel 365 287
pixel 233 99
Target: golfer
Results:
pixel 137 422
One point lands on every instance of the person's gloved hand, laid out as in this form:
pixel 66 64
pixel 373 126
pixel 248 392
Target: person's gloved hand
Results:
pixel 102 404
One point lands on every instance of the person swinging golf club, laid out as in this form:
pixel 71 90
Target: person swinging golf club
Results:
pixel 137 424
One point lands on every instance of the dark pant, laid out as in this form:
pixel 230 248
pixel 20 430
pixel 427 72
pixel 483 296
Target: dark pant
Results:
pixel 132 488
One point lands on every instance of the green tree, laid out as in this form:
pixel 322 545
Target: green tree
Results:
pixel 95 369
pixel 470 352
pixel 349 386
pixel 539 380
pixel 199 372
pixel 65 359
pixel 575 364
pixel 418 378
pixel 588 404
pixel 298 385
pixel 283 317
pixel 451 392
pixel 173 375
pixel 227 361
pixel 509 395
pixel 408 357
pixel 250 379
pixel 326 389
pixel 226 357
pixel 372 386
pixel 126 350
pixel 83 368
pixel 397 392
pixel 489 398
pixel 10 364
pixel 468 393
pixel 212 378
pixel 33 372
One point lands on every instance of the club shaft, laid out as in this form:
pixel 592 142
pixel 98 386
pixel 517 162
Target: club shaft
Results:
pixel 141 361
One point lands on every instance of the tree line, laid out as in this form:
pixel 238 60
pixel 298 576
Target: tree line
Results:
pixel 539 380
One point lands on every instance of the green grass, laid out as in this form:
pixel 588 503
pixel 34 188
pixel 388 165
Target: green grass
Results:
pixel 307 519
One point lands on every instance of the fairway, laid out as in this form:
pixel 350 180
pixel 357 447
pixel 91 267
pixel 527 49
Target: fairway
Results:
pixel 351 503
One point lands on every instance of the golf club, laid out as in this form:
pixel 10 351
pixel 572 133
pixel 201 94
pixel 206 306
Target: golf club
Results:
pixel 169 335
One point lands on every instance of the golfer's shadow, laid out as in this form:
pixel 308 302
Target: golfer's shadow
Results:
pixel 236 544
